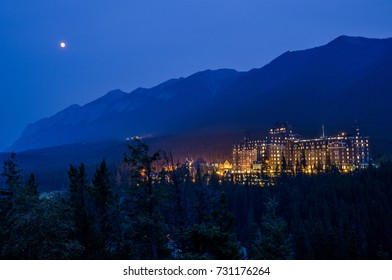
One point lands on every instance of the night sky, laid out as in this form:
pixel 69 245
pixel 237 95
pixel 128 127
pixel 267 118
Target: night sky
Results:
pixel 131 43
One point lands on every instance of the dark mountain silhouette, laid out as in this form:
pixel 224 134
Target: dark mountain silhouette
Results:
pixel 117 115
pixel 344 81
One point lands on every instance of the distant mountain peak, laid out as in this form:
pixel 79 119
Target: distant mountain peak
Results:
pixel 113 95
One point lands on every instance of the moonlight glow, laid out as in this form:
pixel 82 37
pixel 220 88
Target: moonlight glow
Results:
pixel 62 45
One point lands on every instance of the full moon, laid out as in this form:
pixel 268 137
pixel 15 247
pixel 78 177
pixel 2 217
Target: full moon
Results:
pixel 62 45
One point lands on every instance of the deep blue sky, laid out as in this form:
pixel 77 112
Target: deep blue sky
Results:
pixel 130 43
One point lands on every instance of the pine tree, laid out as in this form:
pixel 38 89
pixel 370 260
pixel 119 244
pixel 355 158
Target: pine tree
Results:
pixel 202 212
pixel 328 164
pixel 104 199
pixel 303 162
pixel 13 175
pixel 214 179
pixel 78 192
pixel 273 241
pixel 13 179
pixel 199 176
pixel 74 189
pixel 149 229
pixel 178 178
pixel 12 190
pixel 212 238
pixel 284 163
pixel 221 215
pixel 31 186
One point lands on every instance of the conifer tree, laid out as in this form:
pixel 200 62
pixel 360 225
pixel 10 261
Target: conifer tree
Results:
pixel 284 163
pixel 272 242
pixel 199 176
pixel 31 186
pixel 149 229
pixel 12 174
pixel 221 215
pixel 303 162
pixel 214 179
pixel 104 199
pixel 213 238
pixel 78 192
pixel 13 184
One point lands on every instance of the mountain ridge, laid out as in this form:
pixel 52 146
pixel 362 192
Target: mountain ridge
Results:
pixel 302 87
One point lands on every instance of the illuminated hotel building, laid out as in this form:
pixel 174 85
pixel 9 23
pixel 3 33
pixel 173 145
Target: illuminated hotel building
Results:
pixel 279 145
pixel 246 153
pixel 282 151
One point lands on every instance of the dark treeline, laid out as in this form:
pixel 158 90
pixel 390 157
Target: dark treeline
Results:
pixel 142 212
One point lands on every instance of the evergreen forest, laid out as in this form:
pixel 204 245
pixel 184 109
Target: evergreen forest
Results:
pixel 144 211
